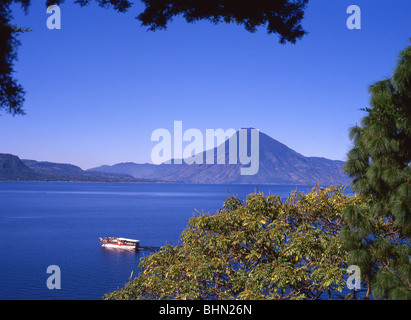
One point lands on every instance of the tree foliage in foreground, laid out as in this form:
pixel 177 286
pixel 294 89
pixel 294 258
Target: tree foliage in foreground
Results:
pixel 282 17
pixel 11 92
pixel 379 164
pixel 262 248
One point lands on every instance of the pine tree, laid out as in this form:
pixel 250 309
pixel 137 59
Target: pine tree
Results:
pixel 378 233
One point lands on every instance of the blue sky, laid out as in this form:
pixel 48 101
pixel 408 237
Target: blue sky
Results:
pixel 98 88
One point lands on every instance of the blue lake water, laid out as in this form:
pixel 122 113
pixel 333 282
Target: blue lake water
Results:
pixel 50 223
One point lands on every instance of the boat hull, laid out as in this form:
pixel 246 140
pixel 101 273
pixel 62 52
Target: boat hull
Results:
pixel 118 246
pixel 119 243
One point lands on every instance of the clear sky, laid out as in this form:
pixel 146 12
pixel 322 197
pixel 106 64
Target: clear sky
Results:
pixel 98 88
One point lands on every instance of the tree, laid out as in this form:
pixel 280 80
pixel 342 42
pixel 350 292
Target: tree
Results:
pixel 258 249
pixel 378 236
pixel 11 92
pixel 282 17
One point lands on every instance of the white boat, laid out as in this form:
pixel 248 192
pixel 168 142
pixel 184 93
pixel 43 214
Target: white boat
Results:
pixel 120 243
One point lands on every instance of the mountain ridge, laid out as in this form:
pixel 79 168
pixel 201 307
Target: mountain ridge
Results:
pixel 278 164
pixel 12 168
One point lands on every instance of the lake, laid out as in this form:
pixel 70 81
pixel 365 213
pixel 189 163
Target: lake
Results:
pixel 52 223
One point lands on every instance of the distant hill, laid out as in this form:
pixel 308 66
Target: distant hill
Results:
pixel 67 172
pixel 278 164
pixel 143 171
pixel 14 169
